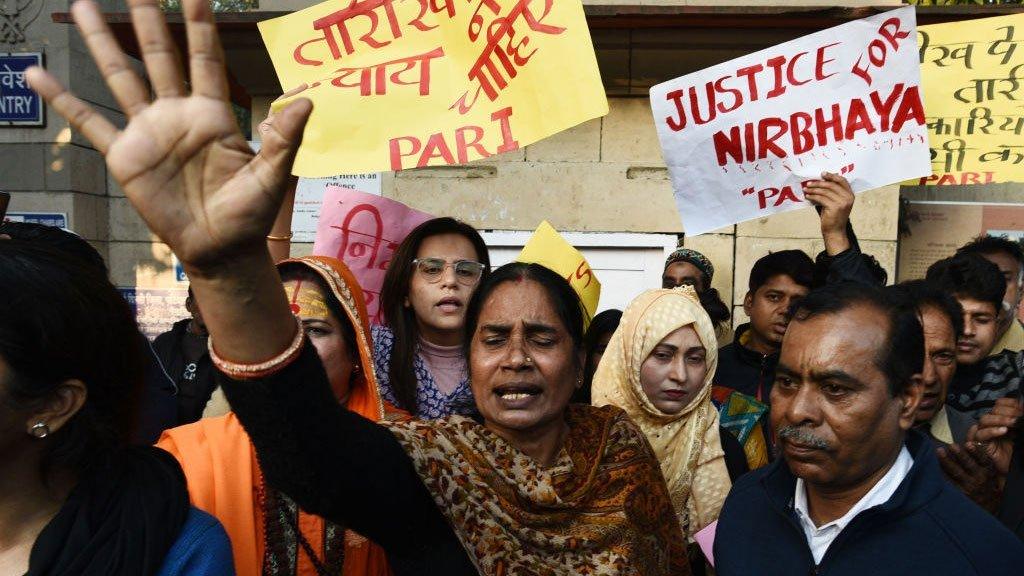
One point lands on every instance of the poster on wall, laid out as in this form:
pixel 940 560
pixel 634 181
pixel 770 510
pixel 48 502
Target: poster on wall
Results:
pixel 931 231
pixel 156 309
pixel 309 197
pixel 742 138
pixel 972 91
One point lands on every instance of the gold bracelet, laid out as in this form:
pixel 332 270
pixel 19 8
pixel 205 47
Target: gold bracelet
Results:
pixel 280 238
pixel 237 371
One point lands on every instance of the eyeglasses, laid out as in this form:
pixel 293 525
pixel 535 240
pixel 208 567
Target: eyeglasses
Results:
pixel 466 271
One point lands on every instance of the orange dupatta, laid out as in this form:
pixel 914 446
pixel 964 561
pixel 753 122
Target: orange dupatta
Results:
pixel 224 478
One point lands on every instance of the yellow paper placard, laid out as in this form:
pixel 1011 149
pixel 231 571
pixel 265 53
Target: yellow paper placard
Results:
pixel 549 249
pixel 412 83
pixel 972 73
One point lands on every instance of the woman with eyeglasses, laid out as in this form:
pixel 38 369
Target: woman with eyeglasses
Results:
pixel 418 351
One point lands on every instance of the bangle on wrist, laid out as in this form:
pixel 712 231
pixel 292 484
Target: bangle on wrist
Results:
pixel 285 238
pixel 238 371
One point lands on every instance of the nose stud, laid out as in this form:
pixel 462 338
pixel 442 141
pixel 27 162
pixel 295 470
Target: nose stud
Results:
pixel 529 360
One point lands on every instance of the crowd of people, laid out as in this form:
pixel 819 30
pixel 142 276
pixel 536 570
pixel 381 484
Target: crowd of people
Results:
pixel 848 427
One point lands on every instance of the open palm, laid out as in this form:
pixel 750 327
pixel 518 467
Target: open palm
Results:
pixel 181 160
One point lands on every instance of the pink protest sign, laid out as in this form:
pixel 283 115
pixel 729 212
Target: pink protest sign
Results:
pixel 706 540
pixel 363 230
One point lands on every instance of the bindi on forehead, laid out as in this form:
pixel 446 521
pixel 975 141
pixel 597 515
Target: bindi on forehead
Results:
pixel 307 300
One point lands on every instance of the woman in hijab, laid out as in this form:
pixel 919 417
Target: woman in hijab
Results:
pixel 77 499
pixel 658 367
pixel 539 487
pixel 269 534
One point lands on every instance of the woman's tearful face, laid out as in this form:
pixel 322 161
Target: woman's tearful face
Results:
pixel 522 363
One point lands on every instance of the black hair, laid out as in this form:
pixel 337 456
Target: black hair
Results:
pixel 297 271
pixel 564 299
pixel 61 319
pixel 922 294
pixel 987 245
pixel 793 263
pixel 712 303
pixel 902 354
pixel 969 276
pixel 401 320
pixel 603 324
pixel 67 242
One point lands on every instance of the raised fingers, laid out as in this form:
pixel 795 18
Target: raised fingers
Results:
pixel 158 49
pixel 205 55
pixel 80 115
pixel 273 164
pixel 269 120
pixel 128 89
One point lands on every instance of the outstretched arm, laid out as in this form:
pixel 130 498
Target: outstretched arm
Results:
pixel 185 166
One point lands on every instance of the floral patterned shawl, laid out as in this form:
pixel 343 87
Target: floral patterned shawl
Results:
pixel 601 509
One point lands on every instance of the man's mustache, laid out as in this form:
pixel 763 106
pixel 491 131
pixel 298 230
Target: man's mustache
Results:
pixel 802 436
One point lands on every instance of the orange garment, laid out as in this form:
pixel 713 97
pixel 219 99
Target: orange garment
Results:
pixel 224 480
pixel 223 475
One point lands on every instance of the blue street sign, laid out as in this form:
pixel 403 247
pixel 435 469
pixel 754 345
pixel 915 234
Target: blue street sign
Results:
pixel 55 219
pixel 19 105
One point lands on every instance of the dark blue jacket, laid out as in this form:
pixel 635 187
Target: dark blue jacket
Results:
pixel 202 549
pixel 928 527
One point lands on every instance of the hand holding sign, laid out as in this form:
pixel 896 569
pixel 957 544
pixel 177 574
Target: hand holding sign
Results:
pixel 741 140
pixel 834 198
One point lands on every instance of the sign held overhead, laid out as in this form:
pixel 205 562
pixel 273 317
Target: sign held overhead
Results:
pixel 742 138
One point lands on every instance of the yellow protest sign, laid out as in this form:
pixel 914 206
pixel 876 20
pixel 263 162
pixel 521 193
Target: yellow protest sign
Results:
pixel 418 83
pixel 549 249
pixel 972 73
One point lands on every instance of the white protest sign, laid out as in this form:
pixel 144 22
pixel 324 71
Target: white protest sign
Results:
pixel 741 137
pixel 309 197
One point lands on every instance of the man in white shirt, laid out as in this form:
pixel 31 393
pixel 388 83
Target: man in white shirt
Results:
pixel 857 491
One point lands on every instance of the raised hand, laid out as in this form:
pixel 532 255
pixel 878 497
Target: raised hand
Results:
pixel 834 196
pixel 181 160
pixel 184 165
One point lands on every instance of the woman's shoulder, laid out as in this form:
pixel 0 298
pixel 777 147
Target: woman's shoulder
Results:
pixel 604 421
pixel 202 549
pixel 200 432
pixel 381 335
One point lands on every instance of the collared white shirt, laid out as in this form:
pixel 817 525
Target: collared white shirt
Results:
pixel 820 538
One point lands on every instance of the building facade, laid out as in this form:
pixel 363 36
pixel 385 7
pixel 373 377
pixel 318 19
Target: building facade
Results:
pixel 605 178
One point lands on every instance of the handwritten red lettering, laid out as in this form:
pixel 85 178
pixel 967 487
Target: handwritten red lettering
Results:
pixel 701 104
pixel 834 123
pixel 338 20
pixel 485 72
pixel 373 80
pixel 437 147
pixel 435 8
pixel 877 51
pixel 349 251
